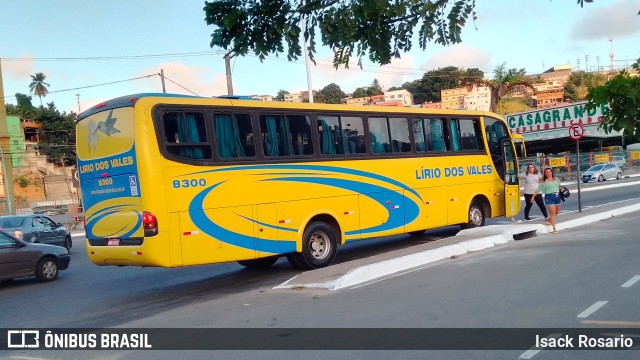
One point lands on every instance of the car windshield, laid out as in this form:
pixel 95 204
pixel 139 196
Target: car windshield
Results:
pixel 596 168
pixel 10 222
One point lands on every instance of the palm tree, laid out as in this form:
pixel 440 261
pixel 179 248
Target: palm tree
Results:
pixel 38 86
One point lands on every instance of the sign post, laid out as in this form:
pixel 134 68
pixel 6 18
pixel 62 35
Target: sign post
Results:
pixel 575 132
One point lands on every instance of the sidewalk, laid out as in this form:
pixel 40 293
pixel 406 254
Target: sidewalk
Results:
pixel 364 270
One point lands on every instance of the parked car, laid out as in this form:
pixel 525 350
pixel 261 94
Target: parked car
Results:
pixel 18 259
pixel 36 228
pixel 601 172
pixel 620 161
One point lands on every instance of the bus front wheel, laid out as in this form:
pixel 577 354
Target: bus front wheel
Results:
pixel 319 247
pixel 475 217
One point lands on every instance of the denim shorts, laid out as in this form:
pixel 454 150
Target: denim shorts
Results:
pixel 552 199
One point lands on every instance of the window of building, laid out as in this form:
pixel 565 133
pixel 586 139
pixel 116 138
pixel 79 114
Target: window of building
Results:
pixel 185 134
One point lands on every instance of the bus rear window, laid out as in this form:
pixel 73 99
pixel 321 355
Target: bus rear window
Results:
pixel 185 134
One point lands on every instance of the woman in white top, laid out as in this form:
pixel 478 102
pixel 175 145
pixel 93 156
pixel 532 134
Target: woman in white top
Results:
pixel 531 181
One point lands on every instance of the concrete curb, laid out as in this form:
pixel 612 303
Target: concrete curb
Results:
pixel 367 273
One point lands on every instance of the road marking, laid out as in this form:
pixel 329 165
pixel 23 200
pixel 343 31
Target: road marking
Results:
pixel 533 351
pixel 632 281
pixel 593 308
pixel 610 323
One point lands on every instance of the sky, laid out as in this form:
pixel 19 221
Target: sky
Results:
pixel 92 51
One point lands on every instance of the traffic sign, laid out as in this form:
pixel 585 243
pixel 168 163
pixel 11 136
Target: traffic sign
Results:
pixel 576 131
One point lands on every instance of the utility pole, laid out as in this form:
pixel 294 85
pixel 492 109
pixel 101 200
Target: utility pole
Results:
pixel 5 150
pixel 306 60
pixel 578 62
pixel 78 97
pixel 164 90
pixel 227 65
pixel 598 62
pixel 586 61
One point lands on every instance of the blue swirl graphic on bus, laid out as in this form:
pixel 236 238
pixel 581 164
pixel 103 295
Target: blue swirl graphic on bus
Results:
pixel 205 224
pixel 103 214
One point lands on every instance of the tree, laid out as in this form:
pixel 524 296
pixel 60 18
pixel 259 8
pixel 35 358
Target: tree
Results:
pixel 434 81
pixel 622 95
pixel 57 135
pixel 38 87
pixel 330 94
pixel 379 29
pixel 360 92
pixel 375 88
pixel 580 82
pixel 504 83
pixel 281 94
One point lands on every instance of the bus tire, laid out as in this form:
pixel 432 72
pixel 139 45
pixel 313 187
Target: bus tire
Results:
pixel 261 263
pixel 293 260
pixel 475 217
pixel 416 233
pixel 319 246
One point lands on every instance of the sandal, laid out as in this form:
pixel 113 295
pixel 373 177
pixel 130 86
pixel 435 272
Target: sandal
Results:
pixel 555 231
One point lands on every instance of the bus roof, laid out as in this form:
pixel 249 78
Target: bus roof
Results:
pixel 242 101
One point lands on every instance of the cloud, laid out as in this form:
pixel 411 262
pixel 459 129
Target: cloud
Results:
pixel 19 69
pixel 181 78
pixel 619 20
pixel 460 55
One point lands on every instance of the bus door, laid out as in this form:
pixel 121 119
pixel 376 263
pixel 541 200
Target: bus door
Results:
pixel 511 184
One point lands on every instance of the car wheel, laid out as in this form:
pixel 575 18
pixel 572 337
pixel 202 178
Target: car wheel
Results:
pixel 476 216
pixel 319 246
pixel 261 263
pixel 67 243
pixel 47 269
pixel 619 176
pixel 600 178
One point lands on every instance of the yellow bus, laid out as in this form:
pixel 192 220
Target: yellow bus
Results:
pixel 171 180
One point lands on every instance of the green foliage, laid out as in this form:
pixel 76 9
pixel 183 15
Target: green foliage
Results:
pixel 22 181
pixel 380 29
pixel 622 94
pixel 57 135
pixel 359 92
pixel 281 94
pixel 513 105
pixel 580 82
pixel 503 83
pixel 23 108
pixel 330 94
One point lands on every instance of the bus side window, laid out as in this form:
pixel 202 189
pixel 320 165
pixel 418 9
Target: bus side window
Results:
pixel 275 134
pixel 300 130
pixel 418 135
pixel 455 134
pixel 379 133
pixel 185 134
pixel 234 135
pixel 435 132
pixel 469 134
pixel 352 138
pixel 399 128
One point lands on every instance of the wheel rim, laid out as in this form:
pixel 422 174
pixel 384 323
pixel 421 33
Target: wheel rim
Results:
pixel 600 178
pixel 319 245
pixel 49 269
pixel 475 216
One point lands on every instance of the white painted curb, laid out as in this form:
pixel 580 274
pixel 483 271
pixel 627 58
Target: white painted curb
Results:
pixel 374 271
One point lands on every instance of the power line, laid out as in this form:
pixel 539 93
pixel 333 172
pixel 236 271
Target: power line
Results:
pixel 166 78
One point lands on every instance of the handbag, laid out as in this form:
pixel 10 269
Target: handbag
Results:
pixel 564 193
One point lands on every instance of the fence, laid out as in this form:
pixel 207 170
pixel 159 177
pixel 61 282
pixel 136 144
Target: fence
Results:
pixel 565 164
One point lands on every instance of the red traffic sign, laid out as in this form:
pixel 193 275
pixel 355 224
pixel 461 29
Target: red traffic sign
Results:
pixel 576 131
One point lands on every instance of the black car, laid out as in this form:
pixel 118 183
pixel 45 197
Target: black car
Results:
pixel 36 228
pixel 18 259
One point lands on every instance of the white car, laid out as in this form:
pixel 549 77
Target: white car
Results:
pixel 602 172
pixel 620 161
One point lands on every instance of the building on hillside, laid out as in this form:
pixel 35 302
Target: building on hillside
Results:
pixel 299 96
pixel 365 101
pixel 263 97
pixel 468 97
pixel 432 105
pixel 549 86
pixel 396 103
pixel 478 98
pixel 453 98
pixel 401 95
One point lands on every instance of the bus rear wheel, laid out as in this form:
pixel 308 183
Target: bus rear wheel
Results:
pixel 319 247
pixel 261 263
pixel 475 216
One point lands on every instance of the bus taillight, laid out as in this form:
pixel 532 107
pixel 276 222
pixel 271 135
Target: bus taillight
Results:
pixel 150 224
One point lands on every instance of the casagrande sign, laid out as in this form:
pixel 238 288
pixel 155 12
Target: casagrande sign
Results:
pixel 555 118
